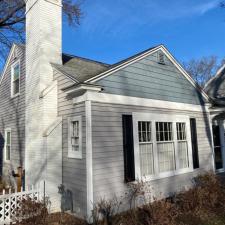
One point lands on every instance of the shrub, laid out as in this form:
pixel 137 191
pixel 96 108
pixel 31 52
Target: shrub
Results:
pixel 105 210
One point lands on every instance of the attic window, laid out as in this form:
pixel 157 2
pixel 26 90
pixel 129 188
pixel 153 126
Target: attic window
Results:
pixel 161 58
pixel 15 79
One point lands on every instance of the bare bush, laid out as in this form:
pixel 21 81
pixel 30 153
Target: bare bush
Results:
pixel 139 191
pixel 105 210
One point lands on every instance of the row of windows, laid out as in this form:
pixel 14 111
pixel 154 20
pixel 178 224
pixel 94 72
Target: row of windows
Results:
pixel 163 131
pixel 165 155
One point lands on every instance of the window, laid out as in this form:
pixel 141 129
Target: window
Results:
pixel 162 145
pixel 15 79
pixel 182 145
pixel 165 146
pixel 75 137
pixel 7 144
pixel 146 148
pixel 161 58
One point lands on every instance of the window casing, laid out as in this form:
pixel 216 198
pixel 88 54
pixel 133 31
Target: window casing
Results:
pixel 75 137
pixel 8 144
pixel 15 79
pixel 162 145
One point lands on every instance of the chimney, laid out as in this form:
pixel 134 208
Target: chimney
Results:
pixel 43 47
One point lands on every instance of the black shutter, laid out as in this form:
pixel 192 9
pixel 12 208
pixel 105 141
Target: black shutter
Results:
pixel 128 148
pixel 194 141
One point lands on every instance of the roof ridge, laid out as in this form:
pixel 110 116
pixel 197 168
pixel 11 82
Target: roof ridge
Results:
pixel 135 55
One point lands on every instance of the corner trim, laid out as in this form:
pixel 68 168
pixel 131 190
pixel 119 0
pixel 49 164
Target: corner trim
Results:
pixel 89 165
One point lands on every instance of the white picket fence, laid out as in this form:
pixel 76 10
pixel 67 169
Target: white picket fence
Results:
pixel 10 203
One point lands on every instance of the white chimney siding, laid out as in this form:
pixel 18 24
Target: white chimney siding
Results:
pixel 43 47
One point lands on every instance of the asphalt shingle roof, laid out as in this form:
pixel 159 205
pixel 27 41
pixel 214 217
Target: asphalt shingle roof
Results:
pixel 80 69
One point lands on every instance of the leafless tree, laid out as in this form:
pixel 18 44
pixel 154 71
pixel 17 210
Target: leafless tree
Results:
pixel 12 21
pixel 203 69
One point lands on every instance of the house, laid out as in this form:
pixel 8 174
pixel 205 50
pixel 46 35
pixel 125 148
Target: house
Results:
pixel 215 88
pixel 94 127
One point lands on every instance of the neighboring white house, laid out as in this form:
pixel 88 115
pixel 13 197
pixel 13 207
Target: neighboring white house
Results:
pixel 94 127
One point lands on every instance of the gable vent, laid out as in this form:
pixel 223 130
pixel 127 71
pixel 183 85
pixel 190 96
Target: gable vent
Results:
pixel 161 58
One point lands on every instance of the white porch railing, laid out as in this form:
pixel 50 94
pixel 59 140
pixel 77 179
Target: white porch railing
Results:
pixel 11 202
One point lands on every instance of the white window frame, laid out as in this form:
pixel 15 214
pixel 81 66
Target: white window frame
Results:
pixel 71 153
pixel 12 73
pixel 5 149
pixel 156 117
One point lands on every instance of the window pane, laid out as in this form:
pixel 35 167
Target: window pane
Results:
pixel 183 154
pixel 8 149
pixel 75 129
pixel 144 131
pixel 75 135
pixel 16 72
pixel 181 131
pixel 166 156
pixel 16 86
pixel 146 159
pixel 164 131
pixel 8 138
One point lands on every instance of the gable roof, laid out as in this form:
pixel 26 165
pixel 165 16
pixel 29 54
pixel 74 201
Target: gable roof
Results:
pixel 124 63
pixel 8 60
pixel 215 87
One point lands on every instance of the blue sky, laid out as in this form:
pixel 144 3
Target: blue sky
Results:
pixel 112 30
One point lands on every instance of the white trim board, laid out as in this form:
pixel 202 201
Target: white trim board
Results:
pixel 89 165
pixel 127 100
pixel 145 54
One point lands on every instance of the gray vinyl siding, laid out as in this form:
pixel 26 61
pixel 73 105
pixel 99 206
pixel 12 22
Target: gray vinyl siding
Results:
pixel 12 115
pixel 108 162
pixel 74 170
pixel 149 79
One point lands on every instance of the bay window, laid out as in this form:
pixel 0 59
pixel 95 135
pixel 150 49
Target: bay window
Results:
pixel 162 145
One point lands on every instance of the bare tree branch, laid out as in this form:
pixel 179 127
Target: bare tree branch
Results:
pixel 12 21
pixel 203 69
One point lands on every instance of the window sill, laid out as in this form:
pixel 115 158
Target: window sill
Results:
pixel 166 174
pixel 71 156
pixel 14 96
